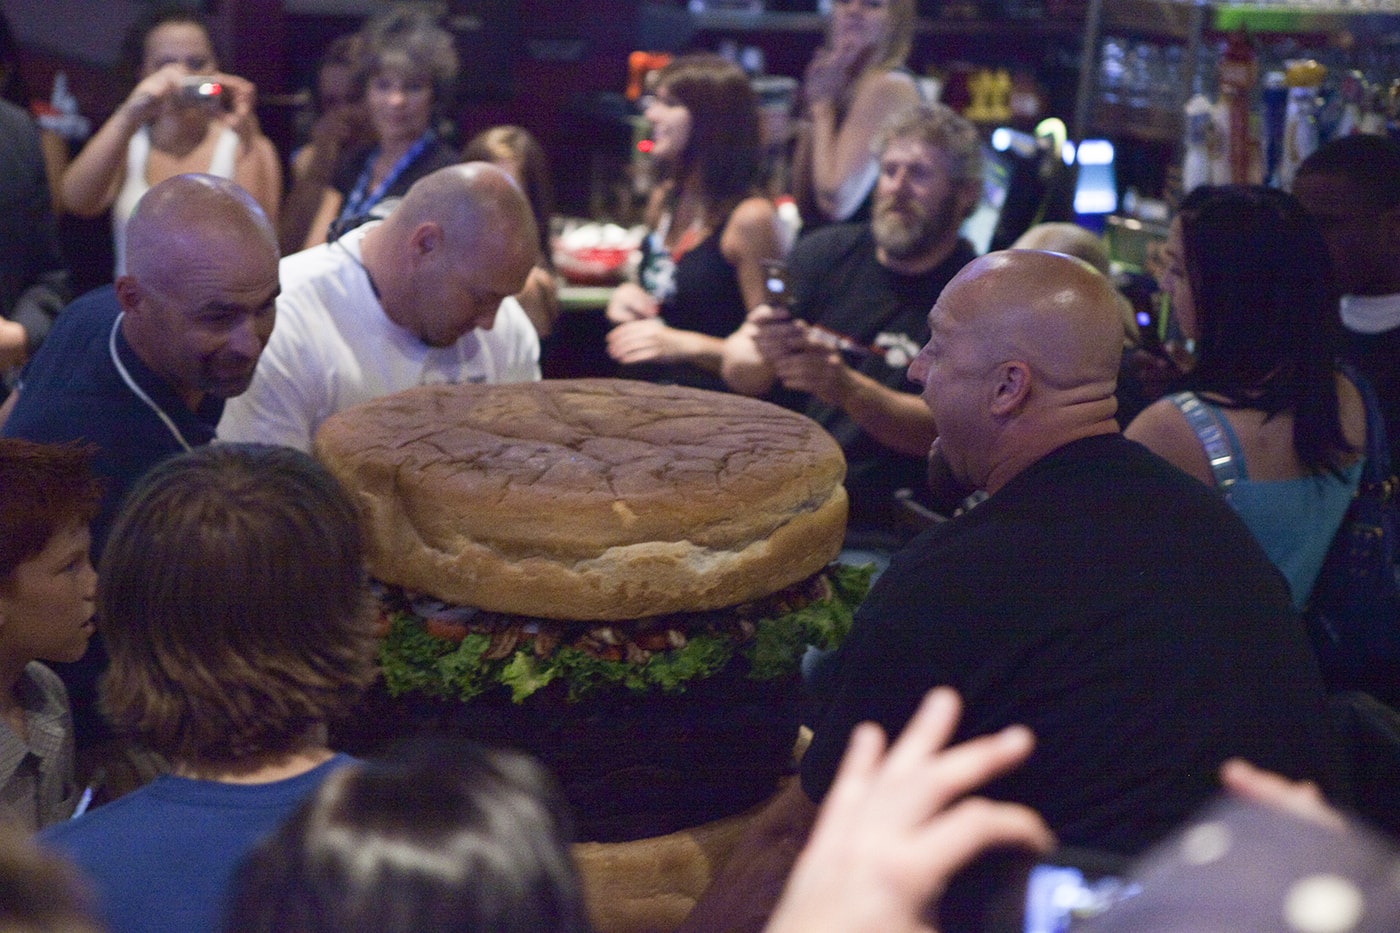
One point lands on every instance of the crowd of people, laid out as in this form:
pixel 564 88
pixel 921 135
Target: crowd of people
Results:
pixel 1082 629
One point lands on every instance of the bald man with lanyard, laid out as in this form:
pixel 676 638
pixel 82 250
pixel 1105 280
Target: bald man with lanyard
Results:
pixel 141 368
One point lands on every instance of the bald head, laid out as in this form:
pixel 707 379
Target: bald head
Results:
pixel 188 220
pixel 1023 358
pixel 1070 239
pixel 1055 312
pixel 471 201
pixel 198 297
pixel 460 242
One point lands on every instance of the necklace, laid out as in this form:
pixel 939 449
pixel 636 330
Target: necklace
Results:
pixel 137 390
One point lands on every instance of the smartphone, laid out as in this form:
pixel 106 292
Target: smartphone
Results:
pixel 1060 897
pixel 775 285
pixel 202 90
pixel 1010 892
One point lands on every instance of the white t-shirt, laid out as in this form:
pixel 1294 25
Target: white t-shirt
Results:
pixel 333 347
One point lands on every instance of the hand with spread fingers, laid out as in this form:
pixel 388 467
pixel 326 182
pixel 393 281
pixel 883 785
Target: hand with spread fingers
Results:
pixel 897 825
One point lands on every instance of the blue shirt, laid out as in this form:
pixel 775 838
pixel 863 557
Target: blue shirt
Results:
pixel 161 858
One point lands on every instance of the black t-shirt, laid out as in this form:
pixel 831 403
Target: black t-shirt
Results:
pixel 837 282
pixel 699 292
pixel 1120 609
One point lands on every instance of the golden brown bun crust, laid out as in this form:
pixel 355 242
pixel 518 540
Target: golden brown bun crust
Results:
pixel 651 885
pixel 589 498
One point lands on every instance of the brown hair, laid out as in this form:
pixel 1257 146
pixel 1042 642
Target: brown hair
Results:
pixel 43 489
pixel 724 146
pixel 893 50
pixel 233 600
pixel 408 38
pixel 941 127
pixel 518 143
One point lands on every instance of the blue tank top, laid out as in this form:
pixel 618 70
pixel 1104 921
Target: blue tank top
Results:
pixel 1293 519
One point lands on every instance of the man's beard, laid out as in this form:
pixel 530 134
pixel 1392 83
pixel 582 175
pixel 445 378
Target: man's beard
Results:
pixel 911 229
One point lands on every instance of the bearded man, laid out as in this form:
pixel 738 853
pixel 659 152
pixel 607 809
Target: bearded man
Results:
pixel 871 284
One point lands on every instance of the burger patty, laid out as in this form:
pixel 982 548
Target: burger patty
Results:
pixel 456 651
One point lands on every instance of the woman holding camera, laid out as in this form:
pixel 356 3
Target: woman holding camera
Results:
pixel 169 125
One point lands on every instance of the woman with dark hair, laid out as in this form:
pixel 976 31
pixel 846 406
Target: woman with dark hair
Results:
pixel 1250 282
pixel 515 151
pixel 409 66
pixel 702 264
pixel 856 81
pixel 162 129
pixel 448 840
pixel 234 604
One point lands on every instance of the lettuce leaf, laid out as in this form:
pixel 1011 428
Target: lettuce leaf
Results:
pixel 414 661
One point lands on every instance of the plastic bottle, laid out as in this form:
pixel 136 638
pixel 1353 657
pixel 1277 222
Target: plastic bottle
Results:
pixel 1275 102
pixel 1239 70
pixel 1195 165
pixel 1300 135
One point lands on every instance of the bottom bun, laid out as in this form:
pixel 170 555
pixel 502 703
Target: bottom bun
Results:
pixel 651 885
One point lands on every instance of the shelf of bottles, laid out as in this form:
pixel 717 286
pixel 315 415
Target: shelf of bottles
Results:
pixel 1153 57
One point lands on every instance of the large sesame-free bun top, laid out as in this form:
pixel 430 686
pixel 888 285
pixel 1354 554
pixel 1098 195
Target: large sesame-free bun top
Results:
pixel 589 498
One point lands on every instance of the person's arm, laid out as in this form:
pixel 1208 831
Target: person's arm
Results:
pixel 313 170
pixel 540 299
pixel 8 407
pixel 896 825
pixel 256 167
pixel 630 302
pixel 742 364
pixel 326 213
pixel 840 155
pixel 92 179
pixel 751 238
pixel 742 895
pixel 898 420
pixel 45 275
pixel 653 340
pixel 1164 430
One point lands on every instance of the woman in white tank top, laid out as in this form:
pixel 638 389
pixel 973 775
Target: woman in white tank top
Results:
pixel 164 128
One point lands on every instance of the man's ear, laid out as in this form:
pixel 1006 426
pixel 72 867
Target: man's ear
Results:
pixel 425 239
pixel 128 294
pixel 1012 387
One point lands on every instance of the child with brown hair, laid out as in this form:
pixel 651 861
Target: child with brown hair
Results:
pixel 48 495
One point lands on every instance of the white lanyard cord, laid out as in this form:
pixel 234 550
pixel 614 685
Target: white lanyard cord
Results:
pixel 137 390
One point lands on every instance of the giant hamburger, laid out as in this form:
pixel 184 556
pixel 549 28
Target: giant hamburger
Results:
pixel 617 577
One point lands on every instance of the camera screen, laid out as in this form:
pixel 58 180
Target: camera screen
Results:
pixel 1058 897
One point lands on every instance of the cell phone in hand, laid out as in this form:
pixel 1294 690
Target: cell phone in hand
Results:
pixel 1012 892
pixel 775 287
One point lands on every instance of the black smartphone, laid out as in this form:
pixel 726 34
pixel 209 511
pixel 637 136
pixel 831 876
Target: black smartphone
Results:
pixel 1059 897
pixel 1010 892
pixel 775 285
